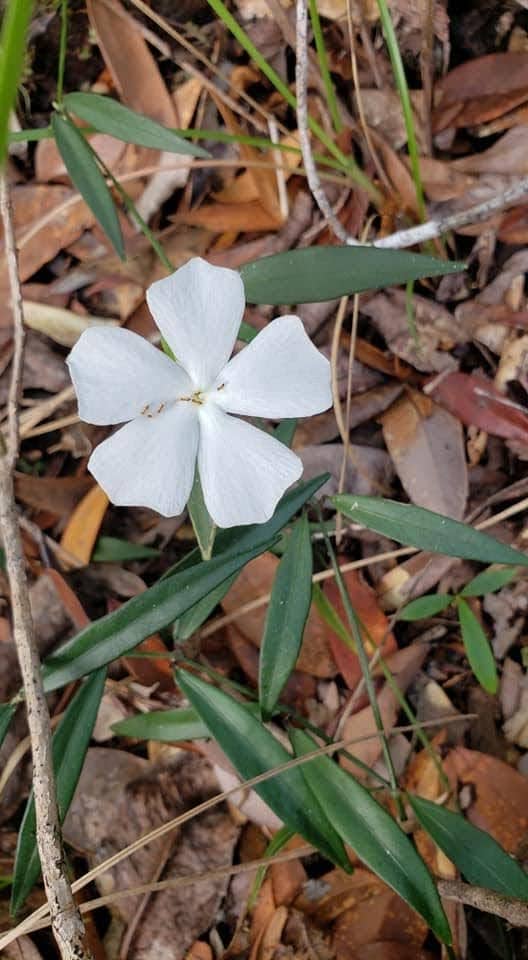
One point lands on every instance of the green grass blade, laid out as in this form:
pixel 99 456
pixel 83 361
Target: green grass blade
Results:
pixel 17 14
pixel 70 743
pixel 477 647
pixel 426 530
pixel 253 750
pixel 288 611
pixel 87 178
pixel 322 55
pixel 372 833
pixel 7 712
pixel 477 855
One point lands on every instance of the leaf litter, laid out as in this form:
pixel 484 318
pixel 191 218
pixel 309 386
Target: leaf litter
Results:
pixel 437 416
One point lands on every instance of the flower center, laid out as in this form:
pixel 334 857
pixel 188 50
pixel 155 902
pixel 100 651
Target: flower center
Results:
pixel 198 397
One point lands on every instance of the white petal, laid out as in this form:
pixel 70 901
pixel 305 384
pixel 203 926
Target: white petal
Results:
pixel 150 462
pixel 244 472
pixel 280 374
pixel 116 373
pixel 198 310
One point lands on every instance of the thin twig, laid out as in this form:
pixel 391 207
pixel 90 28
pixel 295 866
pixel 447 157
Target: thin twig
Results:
pixel 514 911
pixel 301 90
pixel 66 920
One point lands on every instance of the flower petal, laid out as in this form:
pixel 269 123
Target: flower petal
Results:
pixel 280 374
pixel 150 462
pixel 116 373
pixel 244 472
pixel 198 310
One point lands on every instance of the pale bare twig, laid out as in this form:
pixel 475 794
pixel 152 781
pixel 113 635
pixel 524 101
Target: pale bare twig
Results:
pixel 514 911
pixel 301 91
pixel 66 920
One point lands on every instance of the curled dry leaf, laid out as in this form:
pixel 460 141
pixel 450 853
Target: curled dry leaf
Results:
pixel 436 327
pixel 56 495
pixel 62 326
pixel 481 89
pixel 84 524
pixel 426 444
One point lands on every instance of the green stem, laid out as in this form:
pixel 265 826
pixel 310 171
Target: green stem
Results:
pixel 403 90
pixel 365 669
pixel 331 98
pixel 63 43
pixel 239 34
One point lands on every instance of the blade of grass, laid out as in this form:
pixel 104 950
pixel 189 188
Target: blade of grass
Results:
pixel 240 34
pixel 403 91
pixel 328 84
pixel 15 23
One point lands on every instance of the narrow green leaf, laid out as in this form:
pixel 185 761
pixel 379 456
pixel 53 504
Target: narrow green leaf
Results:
pixel 373 834
pixel 87 178
pixel 285 431
pixel 477 855
pixel 203 525
pixel 253 750
pixel 15 22
pixel 110 116
pixel 168 726
pixel 426 530
pixel 114 550
pixel 477 647
pixel 277 842
pixel 424 607
pixel 70 743
pixel 123 629
pixel 240 538
pixel 325 273
pixel 7 712
pixel 489 581
pixel 288 609
pixel 331 617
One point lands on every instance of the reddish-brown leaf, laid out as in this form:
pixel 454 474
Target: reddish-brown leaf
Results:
pixel 475 401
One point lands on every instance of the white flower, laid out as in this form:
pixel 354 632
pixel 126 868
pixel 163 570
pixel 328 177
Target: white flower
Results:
pixel 179 412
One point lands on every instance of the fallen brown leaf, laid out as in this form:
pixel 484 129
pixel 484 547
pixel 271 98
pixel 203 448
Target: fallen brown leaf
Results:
pixel 83 527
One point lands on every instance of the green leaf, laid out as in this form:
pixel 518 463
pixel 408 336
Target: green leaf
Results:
pixel 325 273
pixel 7 712
pixel 87 178
pixel 373 834
pixel 253 750
pixel 110 116
pixel 123 629
pixel 426 530
pixel 114 550
pixel 241 538
pixel 477 647
pixel 489 581
pixel 285 431
pixel 289 606
pixel 424 607
pixel 16 17
pixel 168 726
pixel 477 855
pixel 203 525
pixel 331 617
pixel 70 743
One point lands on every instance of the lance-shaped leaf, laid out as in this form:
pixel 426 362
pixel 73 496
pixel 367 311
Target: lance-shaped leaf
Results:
pixel 252 750
pixel 477 647
pixel 373 834
pixel 87 178
pixel 425 529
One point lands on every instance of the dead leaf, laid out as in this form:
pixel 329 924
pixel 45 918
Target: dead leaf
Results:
pixel 481 89
pixel 436 327
pixel 219 217
pixel 56 495
pixel 43 368
pixel 84 524
pixel 119 798
pixel 368 470
pixel 62 326
pixel 255 580
pixel 475 400
pixel 426 444
pixel 376 626
pixel 500 802
pixel 509 155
